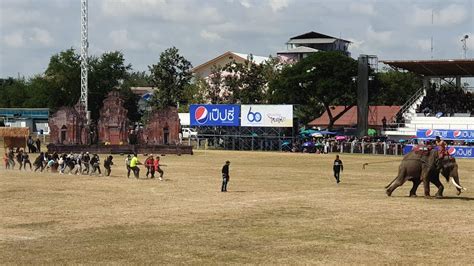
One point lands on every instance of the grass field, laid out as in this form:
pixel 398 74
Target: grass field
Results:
pixel 281 208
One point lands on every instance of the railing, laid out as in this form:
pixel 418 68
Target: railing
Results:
pixel 401 126
pixel 409 103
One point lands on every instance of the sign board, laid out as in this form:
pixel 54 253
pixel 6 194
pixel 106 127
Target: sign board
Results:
pixel 214 114
pixel 455 151
pixel 448 134
pixel 266 115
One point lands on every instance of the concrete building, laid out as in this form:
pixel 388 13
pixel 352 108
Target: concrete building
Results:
pixel 205 69
pixel 301 46
pixel 36 119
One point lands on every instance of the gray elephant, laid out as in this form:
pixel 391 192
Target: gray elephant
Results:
pixel 425 166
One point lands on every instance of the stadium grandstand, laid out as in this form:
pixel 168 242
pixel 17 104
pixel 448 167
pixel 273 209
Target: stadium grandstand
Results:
pixel 449 106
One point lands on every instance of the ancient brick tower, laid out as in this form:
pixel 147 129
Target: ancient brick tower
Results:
pixel 113 122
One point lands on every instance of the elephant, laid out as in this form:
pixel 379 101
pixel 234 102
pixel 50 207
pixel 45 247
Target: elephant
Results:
pixel 425 166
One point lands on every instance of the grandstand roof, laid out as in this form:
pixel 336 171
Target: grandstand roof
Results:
pixel 376 114
pixel 436 68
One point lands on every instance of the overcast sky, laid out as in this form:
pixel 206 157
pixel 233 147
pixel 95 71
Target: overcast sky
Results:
pixel 31 31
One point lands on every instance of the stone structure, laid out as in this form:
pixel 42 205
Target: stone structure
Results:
pixel 69 126
pixel 113 122
pixel 162 127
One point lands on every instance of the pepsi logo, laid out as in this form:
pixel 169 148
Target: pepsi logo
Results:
pixel 457 133
pixel 201 115
pixel 451 150
pixel 429 133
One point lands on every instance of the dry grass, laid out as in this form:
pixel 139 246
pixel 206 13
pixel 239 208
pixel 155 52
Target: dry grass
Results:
pixel 281 208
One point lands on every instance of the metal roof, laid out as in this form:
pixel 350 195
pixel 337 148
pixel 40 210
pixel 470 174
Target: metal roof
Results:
pixel 299 50
pixel 436 68
pixel 40 113
pixel 314 35
pixel 315 41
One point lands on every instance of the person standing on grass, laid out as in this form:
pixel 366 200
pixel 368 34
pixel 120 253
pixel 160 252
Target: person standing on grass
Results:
pixel 38 144
pixel 108 165
pixel 26 160
pixel 11 159
pixel 225 176
pixel 127 164
pixel 6 161
pixel 337 167
pixel 95 164
pixel 19 158
pixel 134 166
pixel 156 165
pixel 149 166
pixel 38 163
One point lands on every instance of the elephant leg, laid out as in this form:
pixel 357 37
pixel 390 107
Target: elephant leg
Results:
pixel 396 183
pixel 440 187
pixel 426 182
pixel 416 183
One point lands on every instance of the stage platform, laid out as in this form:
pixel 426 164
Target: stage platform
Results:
pixel 122 149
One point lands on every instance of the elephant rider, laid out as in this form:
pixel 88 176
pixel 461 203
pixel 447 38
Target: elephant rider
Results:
pixel 441 147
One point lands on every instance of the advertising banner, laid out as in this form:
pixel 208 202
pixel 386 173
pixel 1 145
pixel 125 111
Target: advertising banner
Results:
pixel 266 115
pixel 447 134
pixel 214 115
pixel 455 151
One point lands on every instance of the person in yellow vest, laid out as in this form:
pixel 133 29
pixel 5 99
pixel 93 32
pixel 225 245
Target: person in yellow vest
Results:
pixel 134 166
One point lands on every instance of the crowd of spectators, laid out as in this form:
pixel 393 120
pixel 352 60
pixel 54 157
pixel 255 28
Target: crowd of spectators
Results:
pixel 447 101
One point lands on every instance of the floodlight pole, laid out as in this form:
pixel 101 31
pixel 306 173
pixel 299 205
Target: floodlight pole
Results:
pixel 464 45
pixel 84 55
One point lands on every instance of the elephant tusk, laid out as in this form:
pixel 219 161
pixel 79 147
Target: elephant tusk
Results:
pixel 455 184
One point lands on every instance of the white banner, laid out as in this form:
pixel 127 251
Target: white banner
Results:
pixel 266 115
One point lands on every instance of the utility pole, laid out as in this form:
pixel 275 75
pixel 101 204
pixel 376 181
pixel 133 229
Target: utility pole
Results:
pixel 84 55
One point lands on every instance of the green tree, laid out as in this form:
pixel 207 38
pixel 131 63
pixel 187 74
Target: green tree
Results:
pixel 133 79
pixel 316 83
pixel 13 93
pixel 396 87
pixel 170 76
pixel 245 81
pixel 64 74
pixel 106 73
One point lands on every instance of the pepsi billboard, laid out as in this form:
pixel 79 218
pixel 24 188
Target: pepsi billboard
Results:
pixel 214 115
pixel 455 151
pixel 448 134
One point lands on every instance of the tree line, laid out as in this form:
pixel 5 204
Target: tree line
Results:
pixel 313 84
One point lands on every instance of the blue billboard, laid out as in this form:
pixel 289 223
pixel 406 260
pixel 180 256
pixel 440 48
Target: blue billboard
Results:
pixel 214 115
pixel 455 151
pixel 448 134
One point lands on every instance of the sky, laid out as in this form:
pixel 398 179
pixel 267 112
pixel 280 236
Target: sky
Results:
pixel 31 31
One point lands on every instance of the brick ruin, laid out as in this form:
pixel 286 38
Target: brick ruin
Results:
pixel 113 122
pixel 68 125
pixel 162 127
pixel 69 131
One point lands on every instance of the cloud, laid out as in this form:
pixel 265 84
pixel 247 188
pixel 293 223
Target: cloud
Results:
pixel 120 40
pixel 277 5
pixel 172 11
pixel 245 3
pixel 362 8
pixel 210 36
pixel 378 37
pixel 42 36
pixel 424 45
pixel 14 40
pixel 448 16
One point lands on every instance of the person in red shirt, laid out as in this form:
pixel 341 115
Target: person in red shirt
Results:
pixel 149 166
pixel 157 167
pixel 441 147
